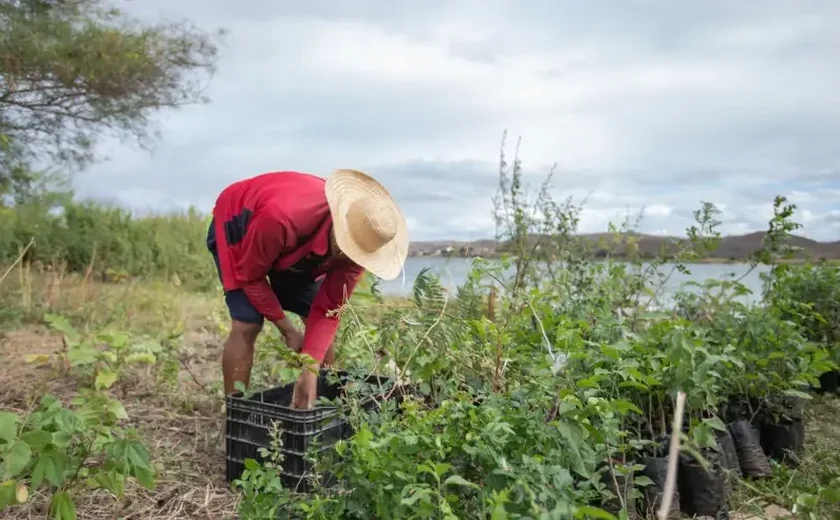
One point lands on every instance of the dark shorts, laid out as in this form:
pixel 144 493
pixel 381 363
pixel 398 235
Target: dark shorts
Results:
pixel 294 290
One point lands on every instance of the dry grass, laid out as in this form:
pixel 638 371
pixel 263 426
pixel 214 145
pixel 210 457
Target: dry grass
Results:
pixel 138 305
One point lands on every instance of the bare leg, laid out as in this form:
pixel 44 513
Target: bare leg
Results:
pixel 238 356
pixel 329 357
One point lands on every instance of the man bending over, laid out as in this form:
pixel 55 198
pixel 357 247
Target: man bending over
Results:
pixel 290 241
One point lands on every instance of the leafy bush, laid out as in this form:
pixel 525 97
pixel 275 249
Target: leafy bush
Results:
pixel 61 449
pixel 102 358
pixel 109 242
pixel 809 295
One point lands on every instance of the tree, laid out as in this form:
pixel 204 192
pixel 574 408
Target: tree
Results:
pixel 75 71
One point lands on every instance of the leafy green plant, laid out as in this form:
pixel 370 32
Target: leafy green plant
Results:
pixel 536 404
pixel 809 503
pixel 102 358
pixel 63 450
pixel 275 363
pixel 809 296
pixel 264 495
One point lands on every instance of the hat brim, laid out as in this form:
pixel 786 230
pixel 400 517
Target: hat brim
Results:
pixel 343 188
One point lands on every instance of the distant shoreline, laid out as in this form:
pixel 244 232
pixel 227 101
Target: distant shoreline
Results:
pixel 709 261
pixel 730 249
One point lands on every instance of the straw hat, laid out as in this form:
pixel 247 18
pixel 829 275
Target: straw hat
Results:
pixel 369 227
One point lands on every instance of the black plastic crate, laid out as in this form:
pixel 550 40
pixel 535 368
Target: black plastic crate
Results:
pixel 249 425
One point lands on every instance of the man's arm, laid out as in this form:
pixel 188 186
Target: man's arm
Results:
pixel 264 242
pixel 320 328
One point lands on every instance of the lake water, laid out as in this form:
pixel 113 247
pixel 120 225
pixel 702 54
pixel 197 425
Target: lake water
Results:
pixel 453 273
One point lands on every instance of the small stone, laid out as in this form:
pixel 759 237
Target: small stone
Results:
pixel 775 511
pixel 772 512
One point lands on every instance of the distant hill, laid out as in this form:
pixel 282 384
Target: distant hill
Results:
pixel 731 248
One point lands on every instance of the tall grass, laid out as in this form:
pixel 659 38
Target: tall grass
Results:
pixel 109 242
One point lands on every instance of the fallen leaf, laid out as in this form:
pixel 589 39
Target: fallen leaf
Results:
pixel 36 359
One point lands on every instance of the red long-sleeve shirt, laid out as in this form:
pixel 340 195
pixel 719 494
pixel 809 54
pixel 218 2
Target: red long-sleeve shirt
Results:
pixel 273 221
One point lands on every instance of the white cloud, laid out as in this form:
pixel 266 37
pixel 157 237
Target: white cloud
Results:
pixel 661 107
pixel 658 210
pixel 801 197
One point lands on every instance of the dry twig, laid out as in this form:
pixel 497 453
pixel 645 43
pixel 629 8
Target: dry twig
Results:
pixel 673 458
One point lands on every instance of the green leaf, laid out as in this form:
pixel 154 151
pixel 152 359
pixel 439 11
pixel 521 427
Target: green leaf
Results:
pixel 425 468
pixel 285 373
pixel 117 408
pixel 633 384
pixel 807 500
pixel 643 481
pixel 499 512
pixel 458 480
pixel 610 352
pixel 69 421
pixel 50 466
pixel 716 423
pixel 797 393
pixel 831 494
pixel 414 495
pixel 8 426
pixel 62 507
pixel 105 379
pixel 60 323
pixel 142 357
pixel 49 402
pixel 61 438
pixel 112 481
pixel 145 477
pixel 38 472
pixel 593 512
pixel 623 406
pixel 81 355
pixel 16 457
pixel 138 456
pixel 7 493
pixel 38 439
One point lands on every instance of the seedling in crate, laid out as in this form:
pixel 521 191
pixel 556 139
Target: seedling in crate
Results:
pixel 285 367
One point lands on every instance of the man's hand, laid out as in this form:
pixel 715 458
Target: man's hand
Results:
pixel 306 389
pixel 293 337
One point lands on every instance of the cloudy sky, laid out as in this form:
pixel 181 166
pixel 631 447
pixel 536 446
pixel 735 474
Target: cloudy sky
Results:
pixel 654 104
